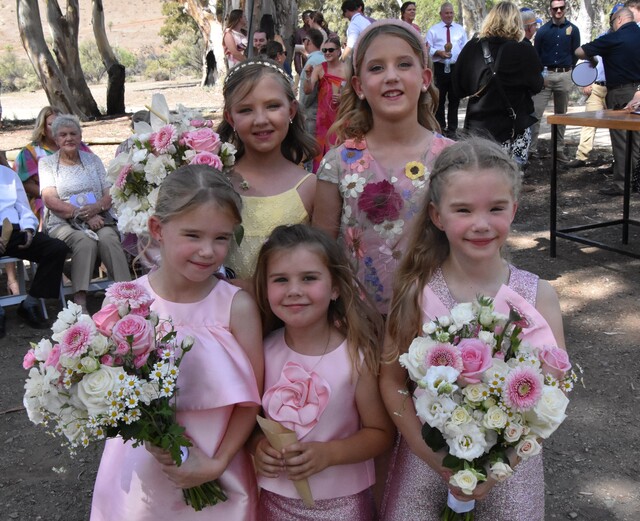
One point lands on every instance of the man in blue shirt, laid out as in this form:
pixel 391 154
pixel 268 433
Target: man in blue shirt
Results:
pixel 556 42
pixel 619 51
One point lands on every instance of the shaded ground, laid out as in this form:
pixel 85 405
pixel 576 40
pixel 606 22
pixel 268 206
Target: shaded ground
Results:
pixel 591 462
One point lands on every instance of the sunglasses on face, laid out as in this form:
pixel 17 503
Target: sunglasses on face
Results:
pixel 561 8
pixel 328 49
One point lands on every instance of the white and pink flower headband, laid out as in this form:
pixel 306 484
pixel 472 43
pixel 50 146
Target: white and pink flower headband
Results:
pixel 399 23
pixel 263 63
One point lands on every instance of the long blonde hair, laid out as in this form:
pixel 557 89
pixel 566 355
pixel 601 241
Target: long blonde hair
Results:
pixel 428 246
pixel 40 130
pixel 352 313
pixel 354 117
pixel 505 21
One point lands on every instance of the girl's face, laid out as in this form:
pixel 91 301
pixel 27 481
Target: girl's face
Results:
pixel 299 287
pixel 262 118
pixel 476 210
pixel 194 243
pixel 330 51
pixel 47 128
pixel 391 79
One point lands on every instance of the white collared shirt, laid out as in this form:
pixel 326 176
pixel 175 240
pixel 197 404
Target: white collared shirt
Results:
pixel 437 38
pixel 14 204
pixel 357 24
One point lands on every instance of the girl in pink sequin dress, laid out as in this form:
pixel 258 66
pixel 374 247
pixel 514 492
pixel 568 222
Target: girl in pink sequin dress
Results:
pixel 220 379
pixel 455 246
pixel 262 120
pixel 370 187
pixel 320 381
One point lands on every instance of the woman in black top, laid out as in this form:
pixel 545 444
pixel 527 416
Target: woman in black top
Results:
pixel 518 77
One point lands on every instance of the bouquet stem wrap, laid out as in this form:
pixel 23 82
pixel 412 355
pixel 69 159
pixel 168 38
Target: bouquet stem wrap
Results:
pixel 457 510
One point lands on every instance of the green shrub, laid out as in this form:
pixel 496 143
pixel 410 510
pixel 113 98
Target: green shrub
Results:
pixel 91 62
pixel 16 73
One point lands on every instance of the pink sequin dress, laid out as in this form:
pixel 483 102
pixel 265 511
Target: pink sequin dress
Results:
pixel 341 491
pixel 215 376
pixel 414 491
pixel 378 205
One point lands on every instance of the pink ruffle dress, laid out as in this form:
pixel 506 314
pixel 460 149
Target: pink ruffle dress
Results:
pixel 215 376
pixel 325 410
pixel 414 491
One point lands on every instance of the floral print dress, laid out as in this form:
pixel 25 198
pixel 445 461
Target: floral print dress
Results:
pixel 378 205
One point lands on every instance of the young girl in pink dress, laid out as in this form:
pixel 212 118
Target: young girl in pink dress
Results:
pixel 370 187
pixel 261 119
pixel 320 380
pixel 455 244
pixel 220 378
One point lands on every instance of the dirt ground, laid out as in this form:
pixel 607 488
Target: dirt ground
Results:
pixel 591 461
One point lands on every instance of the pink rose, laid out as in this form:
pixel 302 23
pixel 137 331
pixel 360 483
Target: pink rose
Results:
pixel 107 360
pixel 298 399
pixel 555 361
pixel 207 158
pixel 140 360
pixel 54 357
pixel 29 359
pixel 106 318
pixel 197 123
pixel 476 359
pixel 140 332
pixel 202 140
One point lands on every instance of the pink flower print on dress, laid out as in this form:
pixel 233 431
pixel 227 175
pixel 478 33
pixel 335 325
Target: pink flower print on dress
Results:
pixel 356 144
pixel 361 164
pixel 353 241
pixel 298 399
pixel 380 202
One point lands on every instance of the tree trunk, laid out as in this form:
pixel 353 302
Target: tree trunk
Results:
pixel 65 46
pixel 473 13
pixel 115 70
pixel 30 27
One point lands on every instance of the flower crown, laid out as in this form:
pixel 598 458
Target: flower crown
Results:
pixel 262 62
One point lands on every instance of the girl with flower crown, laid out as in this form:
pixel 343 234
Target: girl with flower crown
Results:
pixel 262 120
pixel 320 381
pixel 370 186
pixel 455 246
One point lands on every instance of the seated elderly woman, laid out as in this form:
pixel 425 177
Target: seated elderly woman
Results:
pixel 76 198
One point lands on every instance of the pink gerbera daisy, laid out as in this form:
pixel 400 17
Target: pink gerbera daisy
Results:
pixel 444 354
pixel 522 388
pixel 76 340
pixel 129 293
pixel 122 176
pixel 163 139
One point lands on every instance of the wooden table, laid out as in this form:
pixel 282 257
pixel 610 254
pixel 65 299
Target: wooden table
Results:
pixel 611 119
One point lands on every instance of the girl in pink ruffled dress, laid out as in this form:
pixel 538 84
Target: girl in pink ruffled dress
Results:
pixel 320 381
pixel 455 244
pixel 370 187
pixel 220 379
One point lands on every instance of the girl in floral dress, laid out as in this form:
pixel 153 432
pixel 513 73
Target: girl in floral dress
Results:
pixel 369 188
pixel 455 243
pixel 261 119
pixel 220 378
pixel 320 380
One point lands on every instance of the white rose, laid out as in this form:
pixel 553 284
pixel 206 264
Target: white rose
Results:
pixel 475 393
pixel 459 416
pixel 444 321
pixel 440 379
pixel 495 418
pixel 500 471
pixel 149 391
pixel 42 349
pixel 429 328
pixel 93 388
pixel 99 345
pixel 434 410
pixel 513 432
pixel 463 314
pixel 528 447
pixel 88 364
pixel 487 338
pixel 413 359
pixel 465 480
pixel 486 317
pixel 548 413
pixel 466 441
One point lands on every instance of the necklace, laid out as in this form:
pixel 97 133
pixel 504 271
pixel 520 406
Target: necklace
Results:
pixel 326 348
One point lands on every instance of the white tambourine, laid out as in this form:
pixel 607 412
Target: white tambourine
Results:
pixel 584 74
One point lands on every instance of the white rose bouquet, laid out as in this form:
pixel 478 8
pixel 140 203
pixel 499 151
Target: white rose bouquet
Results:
pixel 170 141
pixel 483 391
pixel 113 374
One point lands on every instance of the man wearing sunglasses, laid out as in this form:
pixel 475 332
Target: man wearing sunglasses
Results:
pixel 556 42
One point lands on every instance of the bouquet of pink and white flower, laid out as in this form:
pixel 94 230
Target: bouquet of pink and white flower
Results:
pixel 173 139
pixel 483 391
pixel 113 374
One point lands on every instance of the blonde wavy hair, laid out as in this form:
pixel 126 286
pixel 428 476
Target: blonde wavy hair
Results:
pixel 354 117
pixel 505 21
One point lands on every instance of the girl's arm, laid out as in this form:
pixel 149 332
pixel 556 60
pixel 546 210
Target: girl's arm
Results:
pixel 374 437
pixel 316 74
pixel 548 305
pixel 232 47
pixel 329 200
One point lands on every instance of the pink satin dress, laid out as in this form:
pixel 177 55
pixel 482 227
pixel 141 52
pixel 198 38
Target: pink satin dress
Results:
pixel 341 491
pixel 215 376
pixel 414 491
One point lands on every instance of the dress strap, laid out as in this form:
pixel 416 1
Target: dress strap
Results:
pixel 301 181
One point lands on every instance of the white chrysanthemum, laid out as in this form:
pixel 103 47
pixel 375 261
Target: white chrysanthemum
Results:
pixel 462 314
pixel 389 229
pixel 352 185
pixel 434 410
